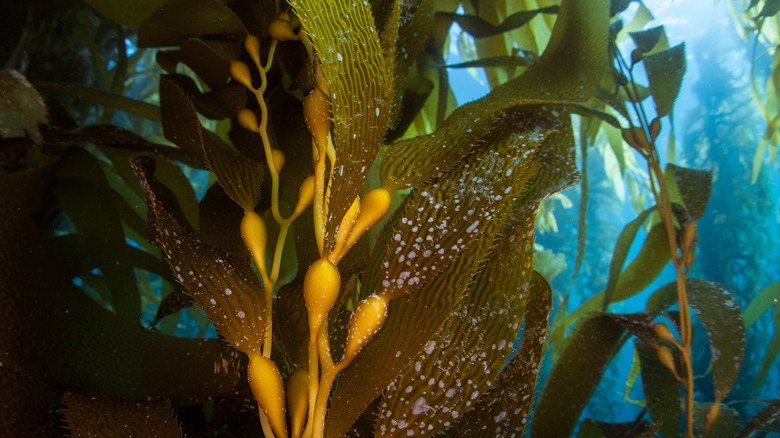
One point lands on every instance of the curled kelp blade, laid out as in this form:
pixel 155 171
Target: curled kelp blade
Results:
pixel 361 84
pixel 569 71
pixel 504 409
pixel 222 285
pixel 87 415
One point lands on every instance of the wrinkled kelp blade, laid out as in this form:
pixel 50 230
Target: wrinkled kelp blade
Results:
pixel 570 70
pixel 412 321
pixel 504 409
pixel 220 284
pixel 454 368
pixel 361 91
pixel 416 20
pixel 427 308
pixel 443 218
pixel 587 351
pixel 241 178
pixel 88 416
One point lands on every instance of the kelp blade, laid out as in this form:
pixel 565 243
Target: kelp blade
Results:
pixel 361 84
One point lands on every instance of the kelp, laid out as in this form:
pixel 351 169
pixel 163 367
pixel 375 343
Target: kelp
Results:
pixel 434 324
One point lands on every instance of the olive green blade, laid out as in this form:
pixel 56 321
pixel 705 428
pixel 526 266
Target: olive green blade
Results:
pixel 507 404
pixel 361 84
pixel 443 218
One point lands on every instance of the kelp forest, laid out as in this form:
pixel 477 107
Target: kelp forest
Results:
pixel 390 218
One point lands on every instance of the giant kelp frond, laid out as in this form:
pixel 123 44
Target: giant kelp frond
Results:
pixel 360 81
pixel 220 283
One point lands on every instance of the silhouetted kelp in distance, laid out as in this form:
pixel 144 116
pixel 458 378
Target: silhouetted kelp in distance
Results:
pixel 414 264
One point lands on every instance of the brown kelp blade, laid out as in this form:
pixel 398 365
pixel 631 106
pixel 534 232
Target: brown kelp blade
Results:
pixel 87 415
pixel 222 285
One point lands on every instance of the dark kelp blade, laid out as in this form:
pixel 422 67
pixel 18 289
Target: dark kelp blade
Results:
pixel 479 27
pixel 634 429
pixel 240 177
pixel 719 313
pixel 361 84
pixel 661 390
pixel 727 425
pixel 83 191
pixel 665 70
pixel 586 353
pixel 223 286
pixel 504 409
pixel 180 20
pixel 64 336
pixel 87 415
pixel 764 418
pixel 691 187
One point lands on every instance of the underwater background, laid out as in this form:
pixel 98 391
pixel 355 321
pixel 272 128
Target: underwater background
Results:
pixel 82 56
